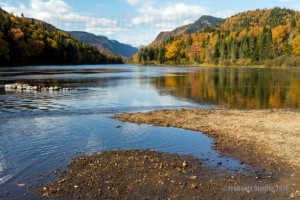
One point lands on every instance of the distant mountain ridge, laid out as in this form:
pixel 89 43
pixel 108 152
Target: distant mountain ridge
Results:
pixel 104 44
pixel 202 22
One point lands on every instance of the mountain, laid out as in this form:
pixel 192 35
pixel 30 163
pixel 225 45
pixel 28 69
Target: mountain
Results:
pixel 166 35
pixel 269 37
pixel 25 41
pixel 202 22
pixel 105 45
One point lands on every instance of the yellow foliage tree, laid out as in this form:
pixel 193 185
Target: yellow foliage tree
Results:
pixel 16 34
pixel 172 50
pixel 296 46
pixel 255 31
pixel 279 34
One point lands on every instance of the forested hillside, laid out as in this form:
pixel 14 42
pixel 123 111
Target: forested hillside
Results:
pixel 268 37
pixel 25 41
pixel 103 44
pixel 202 22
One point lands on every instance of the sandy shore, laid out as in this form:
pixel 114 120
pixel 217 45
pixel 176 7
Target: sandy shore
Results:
pixel 264 137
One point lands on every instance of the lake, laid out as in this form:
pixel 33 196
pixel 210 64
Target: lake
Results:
pixel 43 131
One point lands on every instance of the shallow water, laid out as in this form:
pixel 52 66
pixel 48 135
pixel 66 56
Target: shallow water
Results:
pixel 43 131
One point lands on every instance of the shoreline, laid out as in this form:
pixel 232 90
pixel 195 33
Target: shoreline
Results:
pixel 147 174
pixel 268 139
pixel 263 132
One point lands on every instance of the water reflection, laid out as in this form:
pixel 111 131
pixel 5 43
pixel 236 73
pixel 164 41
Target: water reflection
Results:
pixel 236 87
pixel 42 131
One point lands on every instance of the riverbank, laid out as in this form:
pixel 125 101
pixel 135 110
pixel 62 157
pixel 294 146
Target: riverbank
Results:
pixel 146 174
pixel 266 140
pixel 272 134
pixel 269 139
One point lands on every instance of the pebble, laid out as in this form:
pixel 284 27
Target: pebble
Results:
pixel 61 181
pixel 192 177
pixel 194 186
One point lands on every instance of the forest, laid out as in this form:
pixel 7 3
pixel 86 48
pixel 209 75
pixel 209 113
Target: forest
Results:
pixel 269 37
pixel 25 41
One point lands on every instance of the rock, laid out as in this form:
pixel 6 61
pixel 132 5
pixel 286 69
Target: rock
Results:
pixel 161 182
pixel 194 186
pixel 184 164
pixel 21 184
pixel 10 86
pixel 192 177
pixel 61 181
pixel 117 126
pixel 21 86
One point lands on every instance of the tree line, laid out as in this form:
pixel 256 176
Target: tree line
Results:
pixel 260 37
pixel 25 41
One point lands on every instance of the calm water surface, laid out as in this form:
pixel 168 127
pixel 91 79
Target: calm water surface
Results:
pixel 43 131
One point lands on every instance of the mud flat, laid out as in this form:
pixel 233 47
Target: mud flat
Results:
pixel 146 174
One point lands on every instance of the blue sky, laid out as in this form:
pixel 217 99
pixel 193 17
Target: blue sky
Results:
pixel 135 22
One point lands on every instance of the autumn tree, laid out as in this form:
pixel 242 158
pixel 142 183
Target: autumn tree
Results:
pixel 296 46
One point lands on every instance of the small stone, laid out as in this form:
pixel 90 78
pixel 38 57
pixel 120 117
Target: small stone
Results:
pixel 184 164
pixel 161 182
pixel 192 177
pixel 194 186
pixel 117 126
pixel 61 181
pixel 21 184
pixel 76 186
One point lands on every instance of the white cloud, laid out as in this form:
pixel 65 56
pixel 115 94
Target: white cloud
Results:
pixel 2 4
pixel 140 2
pixel 134 2
pixel 59 13
pixel 172 16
